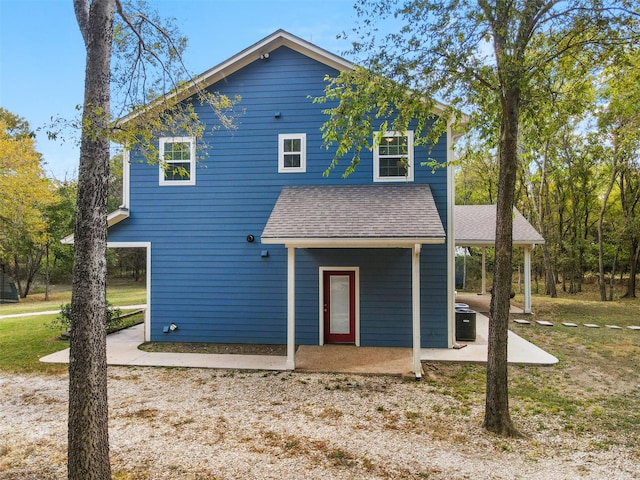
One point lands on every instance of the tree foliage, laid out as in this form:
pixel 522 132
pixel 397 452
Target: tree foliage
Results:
pixel 487 56
pixel 581 141
pixel 26 196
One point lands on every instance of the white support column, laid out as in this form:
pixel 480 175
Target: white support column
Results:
pixel 527 279
pixel 484 270
pixel 291 308
pixel 415 300
pixel 147 313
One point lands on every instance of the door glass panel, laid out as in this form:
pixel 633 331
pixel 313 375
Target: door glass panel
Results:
pixel 339 319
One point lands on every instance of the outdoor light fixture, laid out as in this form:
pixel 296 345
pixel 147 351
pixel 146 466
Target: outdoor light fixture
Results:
pixel 251 238
pixel 264 56
pixel 173 327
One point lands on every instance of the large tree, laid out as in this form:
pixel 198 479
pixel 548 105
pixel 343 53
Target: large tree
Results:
pixel 146 82
pixel 468 53
pixel 88 449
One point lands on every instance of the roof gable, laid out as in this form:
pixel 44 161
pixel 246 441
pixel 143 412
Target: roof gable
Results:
pixel 259 50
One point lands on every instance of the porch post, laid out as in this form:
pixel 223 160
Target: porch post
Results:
pixel 415 300
pixel 484 270
pixel 291 307
pixel 527 279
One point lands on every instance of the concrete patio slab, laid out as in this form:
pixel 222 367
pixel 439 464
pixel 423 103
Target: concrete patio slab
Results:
pixel 519 351
pixel 352 359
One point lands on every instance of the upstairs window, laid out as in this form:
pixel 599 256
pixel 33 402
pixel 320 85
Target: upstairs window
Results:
pixel 393 158
pixel 292 153
pixel 177 161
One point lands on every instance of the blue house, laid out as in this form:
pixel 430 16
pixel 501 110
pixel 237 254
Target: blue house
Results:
pixel 255 245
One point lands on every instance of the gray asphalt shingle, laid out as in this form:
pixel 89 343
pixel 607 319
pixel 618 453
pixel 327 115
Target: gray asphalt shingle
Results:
pixel 401 211
pixel 476 224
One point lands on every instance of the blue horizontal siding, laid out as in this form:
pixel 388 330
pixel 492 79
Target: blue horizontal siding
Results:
pixel 434 296
pixel 208 279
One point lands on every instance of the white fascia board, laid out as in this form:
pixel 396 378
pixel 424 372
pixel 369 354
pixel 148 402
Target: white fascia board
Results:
pixel 68 240
pixel 265 46
pixel 113 218
pixel 352 242
pixel 117 216
pixel 491 243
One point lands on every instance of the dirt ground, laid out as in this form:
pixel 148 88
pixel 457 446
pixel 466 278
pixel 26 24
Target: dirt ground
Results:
pixel 212 424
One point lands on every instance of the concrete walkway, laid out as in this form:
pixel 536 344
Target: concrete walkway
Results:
pixel 122 349
pixel 519 350
pixel 54 312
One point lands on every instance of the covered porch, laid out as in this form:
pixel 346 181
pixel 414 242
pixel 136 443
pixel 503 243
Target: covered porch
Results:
pixel 402 216
pixel 475 226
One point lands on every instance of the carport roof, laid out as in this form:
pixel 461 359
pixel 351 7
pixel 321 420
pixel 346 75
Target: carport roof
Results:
pixel 399 215
pixel 475 225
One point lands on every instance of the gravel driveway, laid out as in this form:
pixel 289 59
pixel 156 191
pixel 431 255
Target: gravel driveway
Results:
pixel 213 424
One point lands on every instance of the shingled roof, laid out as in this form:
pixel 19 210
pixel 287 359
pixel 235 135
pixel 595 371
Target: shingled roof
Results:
pixel 402 215
pixel 476 225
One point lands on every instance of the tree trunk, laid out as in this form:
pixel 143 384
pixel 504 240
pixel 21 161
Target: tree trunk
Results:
pixel 613 274
pixel 603 209
pixel 497 418
pixel 16 275
pixel 543 210
pixel 88 449
pixel 46 273
pixel 633 269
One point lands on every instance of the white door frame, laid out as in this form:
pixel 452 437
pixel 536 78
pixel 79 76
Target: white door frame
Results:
pixel 147 312
pixel 356 271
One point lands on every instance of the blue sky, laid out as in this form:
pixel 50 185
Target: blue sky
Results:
pixel 42 54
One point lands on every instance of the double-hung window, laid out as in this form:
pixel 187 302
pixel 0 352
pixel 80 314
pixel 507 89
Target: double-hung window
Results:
pixel 393 158
pixel 292 152
pixel 177 161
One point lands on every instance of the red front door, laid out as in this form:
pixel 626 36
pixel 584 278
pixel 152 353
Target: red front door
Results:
pixel 339 289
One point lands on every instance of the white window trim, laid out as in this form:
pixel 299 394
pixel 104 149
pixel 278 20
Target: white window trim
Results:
pixel 192 160
pixel 410 158
pixel 303 153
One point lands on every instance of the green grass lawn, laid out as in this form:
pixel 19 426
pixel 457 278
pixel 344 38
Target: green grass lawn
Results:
pixel 24 340
pixel 118 294
pixel 595 387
